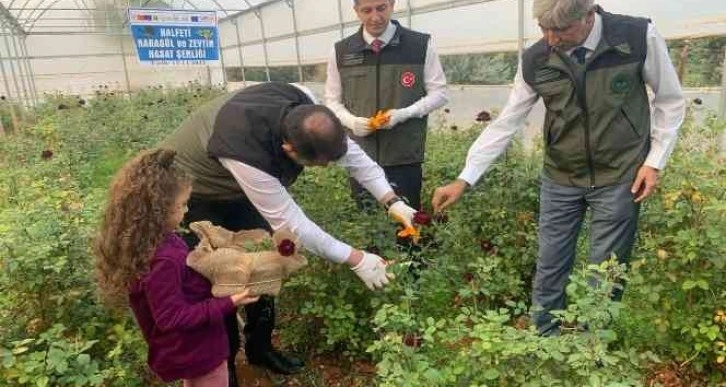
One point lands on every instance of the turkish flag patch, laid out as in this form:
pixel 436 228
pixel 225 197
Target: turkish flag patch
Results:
pixel 408 79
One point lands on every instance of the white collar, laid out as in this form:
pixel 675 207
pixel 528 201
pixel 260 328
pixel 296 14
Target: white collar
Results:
pixel 386 36
pixel 593 39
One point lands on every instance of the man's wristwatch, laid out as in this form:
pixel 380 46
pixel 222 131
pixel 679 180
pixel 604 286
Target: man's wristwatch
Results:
pixel 391 202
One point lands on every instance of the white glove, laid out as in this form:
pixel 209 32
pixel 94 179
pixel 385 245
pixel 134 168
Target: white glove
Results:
pixel 402 213
pixel 372 271
pixel 359 127
pixel 396 117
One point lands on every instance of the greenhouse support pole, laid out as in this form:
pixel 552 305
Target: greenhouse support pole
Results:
pixel 722 108
pixel 11 106
pixel 23 76
pixel 520 33
pixel 221 63
pixel 8 93
pixel 239 51
pixel 258 13
pixel 29 65
pixel 123 60
pixel 11 63
pixel 409 14
pixel 291 4
pixel 340 19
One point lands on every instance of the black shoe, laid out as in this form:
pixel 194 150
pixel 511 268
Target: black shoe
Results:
pixel 290 360
pixel 275 362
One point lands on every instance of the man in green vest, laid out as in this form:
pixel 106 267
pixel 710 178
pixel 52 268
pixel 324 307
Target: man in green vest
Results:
pixel 386 67
pixel 243 150
pixel 604 143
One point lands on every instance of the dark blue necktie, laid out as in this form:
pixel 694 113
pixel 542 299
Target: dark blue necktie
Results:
pixel 579 55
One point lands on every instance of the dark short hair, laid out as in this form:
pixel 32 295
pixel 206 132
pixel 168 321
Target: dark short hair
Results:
pixel 315 133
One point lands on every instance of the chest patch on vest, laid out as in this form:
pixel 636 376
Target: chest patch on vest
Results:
pixel 353 59
pixel 408 79
pixel 621 83
pixel 546 75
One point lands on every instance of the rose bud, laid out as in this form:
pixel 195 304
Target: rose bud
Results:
pixel 286 248
pixel 486 246
pixel 422 218
pixel 412 340
pixel 468 276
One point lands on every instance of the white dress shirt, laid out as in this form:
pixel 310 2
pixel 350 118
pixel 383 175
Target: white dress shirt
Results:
pixel 278 208
pixel 667 110
pixel 434 82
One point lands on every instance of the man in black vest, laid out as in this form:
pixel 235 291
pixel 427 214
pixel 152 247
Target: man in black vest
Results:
pixel 602 149
pixel 386 67
pixel 243 149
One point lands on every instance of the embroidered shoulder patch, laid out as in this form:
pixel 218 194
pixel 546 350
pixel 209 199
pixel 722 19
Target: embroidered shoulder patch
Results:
pixel 408 79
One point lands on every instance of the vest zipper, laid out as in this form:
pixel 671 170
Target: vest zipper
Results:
pixel 583 101
pixel 378 102
pixel 579 80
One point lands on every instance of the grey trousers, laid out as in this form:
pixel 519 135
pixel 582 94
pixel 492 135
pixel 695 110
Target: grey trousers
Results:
pixel 614 220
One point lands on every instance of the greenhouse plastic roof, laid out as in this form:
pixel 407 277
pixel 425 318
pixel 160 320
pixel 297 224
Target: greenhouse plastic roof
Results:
pixel 29 17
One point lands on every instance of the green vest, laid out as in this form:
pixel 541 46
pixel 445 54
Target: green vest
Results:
pixel 393 79
pixel 244 126
pixel 597 125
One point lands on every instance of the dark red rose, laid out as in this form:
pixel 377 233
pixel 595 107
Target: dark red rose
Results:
pixel 487 246
pixel 422 218
pixel 412 340
pixel 46 154
pixel 483 116
pixel 468 276
pixel 286 248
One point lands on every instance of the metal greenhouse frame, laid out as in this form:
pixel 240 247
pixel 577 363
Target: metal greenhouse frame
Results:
pixel 75 45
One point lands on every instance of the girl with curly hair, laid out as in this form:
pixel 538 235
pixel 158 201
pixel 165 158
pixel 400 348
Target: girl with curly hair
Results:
pixel 141 263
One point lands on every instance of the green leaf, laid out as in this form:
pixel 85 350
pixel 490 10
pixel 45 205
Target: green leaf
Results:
pixel 83 359
pixel 688 285
pixel 432 374
pixel 595 381
pixel 491 374
pixel 19 350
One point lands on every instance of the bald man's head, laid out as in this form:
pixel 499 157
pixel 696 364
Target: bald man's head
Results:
pixel 315 134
